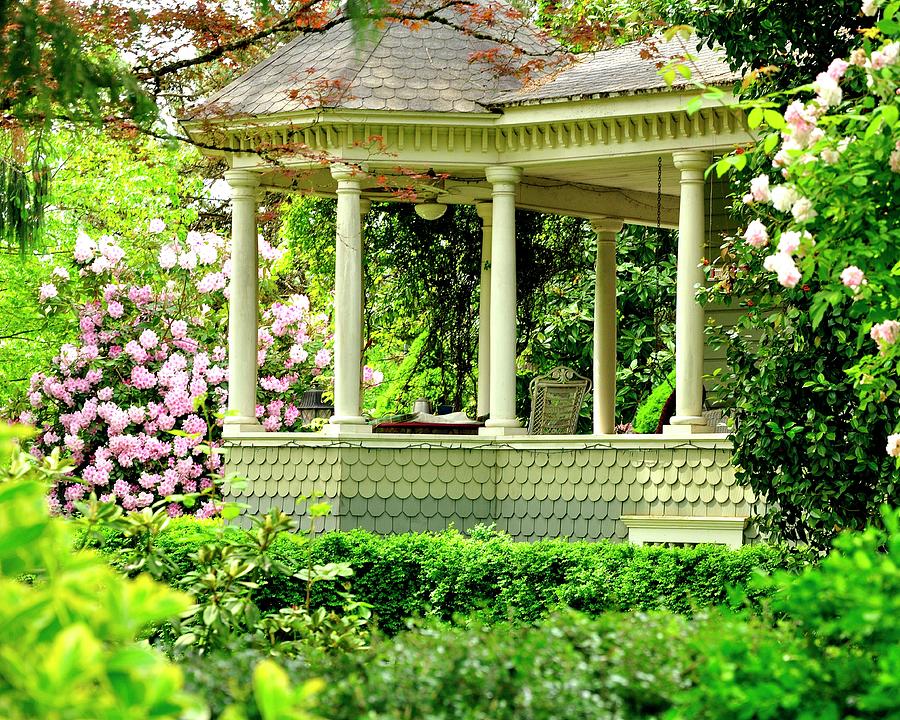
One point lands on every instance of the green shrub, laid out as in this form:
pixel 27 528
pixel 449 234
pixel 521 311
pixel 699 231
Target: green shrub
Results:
pixel 493 578
pixel 825 646
pixel 834 651
pixel 648 413
pixel 67 635
pixel 568 667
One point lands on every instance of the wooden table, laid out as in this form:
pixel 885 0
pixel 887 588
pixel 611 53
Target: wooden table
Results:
pixel 428 428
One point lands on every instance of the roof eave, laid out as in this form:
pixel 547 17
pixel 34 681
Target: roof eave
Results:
pixel 673 90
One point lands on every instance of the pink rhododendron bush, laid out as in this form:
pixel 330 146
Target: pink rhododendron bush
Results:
pixel 138 399
pixel 814 355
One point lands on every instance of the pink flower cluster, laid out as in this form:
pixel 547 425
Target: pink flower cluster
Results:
pixel 852 277
pixel 136 399
pixel 885 333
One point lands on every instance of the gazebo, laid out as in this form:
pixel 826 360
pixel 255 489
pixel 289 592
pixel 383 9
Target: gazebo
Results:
pixel 604 138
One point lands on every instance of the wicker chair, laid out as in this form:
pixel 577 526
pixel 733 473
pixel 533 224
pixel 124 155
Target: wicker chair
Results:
pixel 556 400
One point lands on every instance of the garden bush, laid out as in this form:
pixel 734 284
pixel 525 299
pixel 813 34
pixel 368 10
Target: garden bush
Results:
pixel 649 412
pixel 828 647
pixel 491 577
pixel 138 399
pixel 68 622
pixel 814 355
pixel 568 667
pixel 825 646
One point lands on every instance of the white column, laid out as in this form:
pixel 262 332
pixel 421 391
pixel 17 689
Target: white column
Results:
pixel 242 303
pixel 604 365
pixel 503 420
pixel 348 303
pixel 485 212
pixel 689 315
pixel 364 205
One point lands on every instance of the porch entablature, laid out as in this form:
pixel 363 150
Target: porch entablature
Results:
pixel 526 136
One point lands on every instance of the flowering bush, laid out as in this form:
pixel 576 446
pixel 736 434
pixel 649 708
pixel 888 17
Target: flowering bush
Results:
pixel 138 399
pixel 832 210
pixel 814 380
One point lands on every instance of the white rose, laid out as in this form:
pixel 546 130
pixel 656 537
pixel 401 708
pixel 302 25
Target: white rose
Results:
pixel 783 197
pixel 803 210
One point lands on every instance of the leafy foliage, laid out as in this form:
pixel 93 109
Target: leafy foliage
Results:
pixel 815 397
pixel 489 576
pixel 227 576
pixel 67 638
pixel 51 67
pixel 824 646
pixel 793 40
pixel 834 651
pixel 803 438
pixel 568 666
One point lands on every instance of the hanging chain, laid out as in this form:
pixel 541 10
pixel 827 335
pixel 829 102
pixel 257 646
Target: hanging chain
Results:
pixel 658 258
pixel 658 194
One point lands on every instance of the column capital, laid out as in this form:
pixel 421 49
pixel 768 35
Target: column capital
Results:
pixel 607 226
pixel 691 160
pixel 346 174
pixel 485 211
pixel 503 174
pixel 243 183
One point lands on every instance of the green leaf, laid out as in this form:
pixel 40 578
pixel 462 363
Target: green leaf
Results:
pixel 230 511
pixel 874 126
pixel 755 118
pixel 272 691
pixel 774 119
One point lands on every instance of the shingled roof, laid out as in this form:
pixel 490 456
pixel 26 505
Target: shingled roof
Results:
pixel 427 68
pixel 623 70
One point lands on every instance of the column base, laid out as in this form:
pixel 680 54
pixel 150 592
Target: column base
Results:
pixel 347 425
pixel 681 425
pixel 501 430
pixel 234 426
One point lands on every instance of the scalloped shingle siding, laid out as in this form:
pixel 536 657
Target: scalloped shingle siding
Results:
pixel 531 494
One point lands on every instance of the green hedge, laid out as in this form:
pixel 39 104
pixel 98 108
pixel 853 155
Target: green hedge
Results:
pixel 824 646
pixel 492 577
pixel 567 667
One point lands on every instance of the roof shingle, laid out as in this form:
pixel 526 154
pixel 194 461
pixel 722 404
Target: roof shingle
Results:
pixel 426 68
pixel 623 71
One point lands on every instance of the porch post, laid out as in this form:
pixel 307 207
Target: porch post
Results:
pixel 364 205
pixel 242 303
pixel 604 379
pixel 347 306
pixel 689 315
pixel 503 420
pixel 485 212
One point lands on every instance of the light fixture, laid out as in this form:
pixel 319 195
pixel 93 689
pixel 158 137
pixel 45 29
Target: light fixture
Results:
pixel 430 210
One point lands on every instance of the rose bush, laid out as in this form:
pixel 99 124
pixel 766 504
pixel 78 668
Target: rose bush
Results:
pixel 138 399
pixel 827 212
pixel 814 359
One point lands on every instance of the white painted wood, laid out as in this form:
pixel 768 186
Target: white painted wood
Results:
pixel 483 406
pixel 348 303
pixel 604 359
pixel 242 303
pixel 694 530
pixel 689 314
pixel 503 420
